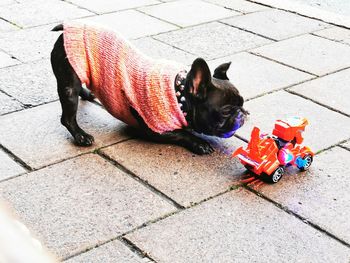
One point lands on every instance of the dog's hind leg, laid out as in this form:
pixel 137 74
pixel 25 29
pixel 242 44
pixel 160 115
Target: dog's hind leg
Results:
pixel 86 94
pixel 69 88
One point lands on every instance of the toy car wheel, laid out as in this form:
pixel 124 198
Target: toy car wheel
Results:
pixel 277 175
pixel 307 161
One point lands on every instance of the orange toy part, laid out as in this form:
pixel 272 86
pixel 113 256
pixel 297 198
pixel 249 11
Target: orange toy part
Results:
pixel 290 129
pixel 269 155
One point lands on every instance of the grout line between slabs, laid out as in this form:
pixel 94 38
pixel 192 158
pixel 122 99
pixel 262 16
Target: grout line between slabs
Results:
pixel 316 102
pixel 134 248
pixel 13 98
pixel 140 180
pixel 304 220
pixel 249 31
pixel 150 222
pixel 31 170
pixel 279 62
pixel 158 18
pixel 344 147
pixel 17 160
pixel 79 7
pixel 297 13
pixel 137 250
pixel 334 40
pixel 170 45
pixel 228 8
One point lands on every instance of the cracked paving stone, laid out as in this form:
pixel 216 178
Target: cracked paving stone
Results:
pixel 8 167
pixel 132 24
pixel 331 90
pixel 310 53
pixel 321 195
pixel 192 12
pixel 8 104
pixel 224 40
pixel 77 204
pixel 253 75
pixel 276 24
pixel 28 14
pixel 185 177
pixel 237 226
pixel 32 83
pixel 37 136
pixel 326 127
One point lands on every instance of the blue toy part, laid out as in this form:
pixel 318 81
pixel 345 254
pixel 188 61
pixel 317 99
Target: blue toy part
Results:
pixel 300 162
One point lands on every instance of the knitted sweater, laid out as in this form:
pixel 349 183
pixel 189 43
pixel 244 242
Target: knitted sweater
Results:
pixel 120 76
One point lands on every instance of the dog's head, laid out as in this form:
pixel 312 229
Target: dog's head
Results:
pixel 216 105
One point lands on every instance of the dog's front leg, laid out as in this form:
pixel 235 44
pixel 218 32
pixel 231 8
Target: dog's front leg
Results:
pixel 178 137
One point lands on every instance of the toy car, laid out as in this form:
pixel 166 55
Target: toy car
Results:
pixel 268 155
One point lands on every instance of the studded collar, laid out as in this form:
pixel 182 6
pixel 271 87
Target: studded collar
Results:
pixel 180 81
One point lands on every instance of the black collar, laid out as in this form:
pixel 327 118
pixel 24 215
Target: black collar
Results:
pixel 180 81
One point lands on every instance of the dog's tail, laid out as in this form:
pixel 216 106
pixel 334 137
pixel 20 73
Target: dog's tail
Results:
pixel 58 28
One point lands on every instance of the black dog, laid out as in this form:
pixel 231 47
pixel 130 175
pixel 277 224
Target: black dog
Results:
pixel 213 104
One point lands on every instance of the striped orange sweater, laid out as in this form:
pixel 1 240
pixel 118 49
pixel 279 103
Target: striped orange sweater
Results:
pixel 120 76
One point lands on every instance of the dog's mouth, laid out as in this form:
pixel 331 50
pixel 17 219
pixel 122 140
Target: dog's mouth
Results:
pixel 239 120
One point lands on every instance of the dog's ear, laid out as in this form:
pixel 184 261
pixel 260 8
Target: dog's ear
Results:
pixel 220 71
pixel 199 77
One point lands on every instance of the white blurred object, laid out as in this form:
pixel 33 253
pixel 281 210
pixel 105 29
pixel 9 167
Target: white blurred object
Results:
pixel 17 245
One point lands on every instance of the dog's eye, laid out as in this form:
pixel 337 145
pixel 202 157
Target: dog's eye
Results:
pixel 226 111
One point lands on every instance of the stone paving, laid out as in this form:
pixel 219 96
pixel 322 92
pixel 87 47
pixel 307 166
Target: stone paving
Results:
pixel 127 200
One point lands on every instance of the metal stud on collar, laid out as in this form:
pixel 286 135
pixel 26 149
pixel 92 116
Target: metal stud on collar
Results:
pixel 179 91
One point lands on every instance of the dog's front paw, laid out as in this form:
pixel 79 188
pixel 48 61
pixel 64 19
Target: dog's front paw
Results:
pixel 83 139
pixel 201 147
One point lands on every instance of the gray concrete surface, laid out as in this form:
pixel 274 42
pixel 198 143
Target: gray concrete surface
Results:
pixel 127 200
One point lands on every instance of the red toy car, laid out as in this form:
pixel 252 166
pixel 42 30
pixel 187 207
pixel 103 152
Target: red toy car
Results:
pixel 268 155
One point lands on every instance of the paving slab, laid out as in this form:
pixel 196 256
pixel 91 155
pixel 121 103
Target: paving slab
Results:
pixel 8 104
pixel 224 40
pixel 6 60
pixel 132 24
pixel 38 138
pixel 32 83
pixel 276 24
pixel 8 167
pixel 326 127
pixel 180 174
pixel 253 75
pixel 331 90
pixel 5 26
pixel 157 49
pixel 80 203
pixel 109 253
pixel 310 53
pixel 21 43
pixel 188 12
pixel 107 6
pixel 319 195
pixel 43 12
pixel 239 227
pixel 335 33
pixel 240 5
